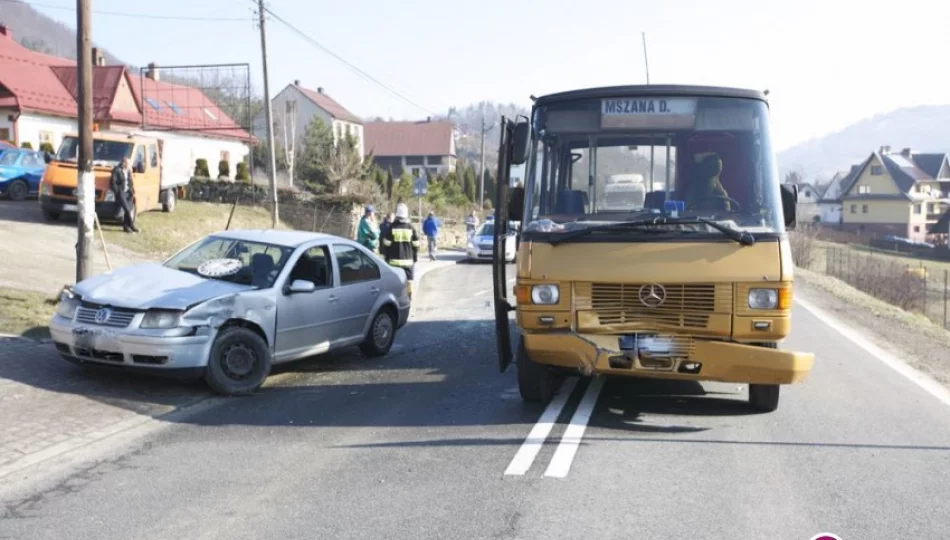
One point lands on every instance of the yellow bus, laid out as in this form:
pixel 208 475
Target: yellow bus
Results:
pixel 694 282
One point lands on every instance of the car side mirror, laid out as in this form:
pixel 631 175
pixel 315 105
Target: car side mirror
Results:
pixel 301 286
pixel 519 143
pixel 789 204
pixel 47 157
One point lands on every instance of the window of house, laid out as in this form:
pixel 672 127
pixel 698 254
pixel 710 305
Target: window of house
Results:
pixel 5 134
pixel 916 228
pixel 153 152
pixel 347 130
pixel 877 170
pixel 864 190
pixel 854 209
pixel 864 209
pixel 46 137
pixel 313 266
pixel 355 266
pixel 917 209
pixel 226 156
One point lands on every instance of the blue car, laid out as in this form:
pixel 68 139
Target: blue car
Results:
pixel 20 173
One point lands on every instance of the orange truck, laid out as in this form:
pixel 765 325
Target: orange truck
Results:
pixel 160 172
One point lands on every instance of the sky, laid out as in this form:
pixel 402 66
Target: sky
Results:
pixel 826 63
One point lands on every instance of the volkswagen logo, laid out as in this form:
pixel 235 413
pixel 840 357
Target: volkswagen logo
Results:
pixel 102 316
pixel 652 295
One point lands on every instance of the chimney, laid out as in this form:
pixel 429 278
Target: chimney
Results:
pixel 296 82
pixel 885 149
pixel 319 89
pixel 5 31
pixel 906 153
pixel 152 72
pixel 98 59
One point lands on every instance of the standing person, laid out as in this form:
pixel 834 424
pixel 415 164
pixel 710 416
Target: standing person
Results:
pixel 368 232
pixel 430 228
pixel 471 225
pixel 123 188
pixel 401 243
pixel 383 227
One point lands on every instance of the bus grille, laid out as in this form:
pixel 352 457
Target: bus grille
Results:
pixel 683 306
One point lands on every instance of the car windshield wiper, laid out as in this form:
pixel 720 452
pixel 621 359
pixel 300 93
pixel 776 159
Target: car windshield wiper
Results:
pixel 645 225
pixel 640 225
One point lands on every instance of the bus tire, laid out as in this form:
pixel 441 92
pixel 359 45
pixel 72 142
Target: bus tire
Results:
pixel 171 199
pixel 765 397
pixel 536 382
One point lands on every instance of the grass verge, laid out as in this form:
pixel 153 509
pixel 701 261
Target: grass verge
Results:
pixel 25 313
pixel 164 234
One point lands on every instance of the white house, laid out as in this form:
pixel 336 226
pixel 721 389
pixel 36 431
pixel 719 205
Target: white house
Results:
pixel 38 104
pixel 295 107
pixel 830 205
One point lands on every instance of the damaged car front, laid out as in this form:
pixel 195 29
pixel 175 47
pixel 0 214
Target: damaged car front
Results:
pixel 163 318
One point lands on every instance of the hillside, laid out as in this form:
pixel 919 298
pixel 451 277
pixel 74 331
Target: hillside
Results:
pixel 40 33
pixel 468 121
pixel 920 128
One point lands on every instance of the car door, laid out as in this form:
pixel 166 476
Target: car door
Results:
pixel 307 322
pixel 360 286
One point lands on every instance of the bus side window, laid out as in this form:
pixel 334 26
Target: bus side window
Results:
pixel 138 164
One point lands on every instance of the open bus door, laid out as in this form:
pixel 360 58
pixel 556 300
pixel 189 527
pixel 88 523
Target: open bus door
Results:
pixel 512 150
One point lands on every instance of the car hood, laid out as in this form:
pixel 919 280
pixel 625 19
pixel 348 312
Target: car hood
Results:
pixel 151 285
pixel 487 239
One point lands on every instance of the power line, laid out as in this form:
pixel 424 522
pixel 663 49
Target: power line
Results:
pixel 133 15
pixel 322 47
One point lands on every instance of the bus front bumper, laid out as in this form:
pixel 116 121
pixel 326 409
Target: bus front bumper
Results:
pixel 677 357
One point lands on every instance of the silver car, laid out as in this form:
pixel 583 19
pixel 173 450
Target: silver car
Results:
pixel 231 305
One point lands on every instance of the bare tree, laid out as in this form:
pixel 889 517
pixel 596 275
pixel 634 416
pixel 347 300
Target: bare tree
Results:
pixel 289 125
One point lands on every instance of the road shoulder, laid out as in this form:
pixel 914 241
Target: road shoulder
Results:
pixel 911 338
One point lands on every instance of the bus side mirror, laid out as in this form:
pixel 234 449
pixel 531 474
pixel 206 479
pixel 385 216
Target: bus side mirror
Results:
pixel 519 143
pixel 789 204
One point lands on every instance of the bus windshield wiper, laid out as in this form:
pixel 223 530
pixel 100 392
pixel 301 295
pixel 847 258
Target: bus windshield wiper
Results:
pixel 646 225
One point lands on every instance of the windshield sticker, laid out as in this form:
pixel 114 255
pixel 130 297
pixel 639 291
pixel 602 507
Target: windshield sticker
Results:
pixel 648 113
pixel 216 268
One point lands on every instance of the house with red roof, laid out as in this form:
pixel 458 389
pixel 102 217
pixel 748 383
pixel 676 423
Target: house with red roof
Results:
pixel 38 104
pixel 295 107
pixel 417 147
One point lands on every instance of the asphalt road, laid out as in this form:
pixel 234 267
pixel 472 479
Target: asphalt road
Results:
pixel 417 445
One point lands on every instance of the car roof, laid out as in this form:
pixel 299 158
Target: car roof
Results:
pixel 279 237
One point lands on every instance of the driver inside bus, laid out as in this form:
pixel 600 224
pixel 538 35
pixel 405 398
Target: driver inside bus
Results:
pixel 706 191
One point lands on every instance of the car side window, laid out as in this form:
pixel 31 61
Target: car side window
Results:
pixel 355 266
pixel 314 266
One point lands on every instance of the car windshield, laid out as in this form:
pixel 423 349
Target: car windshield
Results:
pixel 9 158
pixel 595 162
pixel 237 261
pixel 106 153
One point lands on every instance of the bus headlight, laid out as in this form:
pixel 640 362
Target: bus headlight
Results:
pixel 763 298
pixel 545 294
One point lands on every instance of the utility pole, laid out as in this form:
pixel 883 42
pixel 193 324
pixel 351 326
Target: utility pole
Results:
pixel 481 168
pixel 268 115
pixel 646 62
pixel 85 183
pixel 646 65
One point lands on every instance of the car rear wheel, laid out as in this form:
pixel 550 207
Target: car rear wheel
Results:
pixel 239 363
pixel 381 334
pixel 536 382
pixel 18 190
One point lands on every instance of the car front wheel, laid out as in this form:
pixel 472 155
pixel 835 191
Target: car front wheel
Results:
pixel 381 334
pixel 239 363
pixel 18 190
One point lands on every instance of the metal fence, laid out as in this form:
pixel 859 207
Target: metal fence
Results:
pixel 912 285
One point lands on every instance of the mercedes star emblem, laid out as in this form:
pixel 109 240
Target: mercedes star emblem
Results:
pixel 102 316
pixel 652 295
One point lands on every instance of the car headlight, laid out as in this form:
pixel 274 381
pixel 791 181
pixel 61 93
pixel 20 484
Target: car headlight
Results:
pixel 109 196
pixel 160 318
pixel 46 189
pixel 763 298
pixel 68 303
pixel 545 294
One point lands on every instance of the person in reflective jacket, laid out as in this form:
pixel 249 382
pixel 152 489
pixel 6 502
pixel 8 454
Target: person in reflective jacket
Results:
pixel 401 243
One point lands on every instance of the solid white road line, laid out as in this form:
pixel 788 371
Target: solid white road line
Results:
pixel 532 445
pixel 564 455
pixel 930 385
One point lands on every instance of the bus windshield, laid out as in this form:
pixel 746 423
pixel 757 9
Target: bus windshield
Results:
pixel 599 161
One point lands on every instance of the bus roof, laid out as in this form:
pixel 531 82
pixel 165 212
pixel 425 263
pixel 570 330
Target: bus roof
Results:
pixel 676 90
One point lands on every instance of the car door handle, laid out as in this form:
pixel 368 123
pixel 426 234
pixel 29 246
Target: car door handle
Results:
pixel 374 291
pixel 332 299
